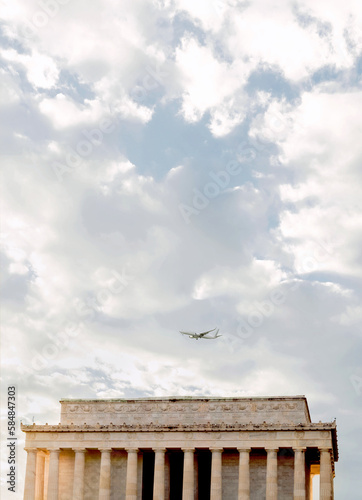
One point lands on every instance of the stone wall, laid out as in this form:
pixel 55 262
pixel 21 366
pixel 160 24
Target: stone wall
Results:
pixel 91 474
pixel 230 474
pixel 257 475
pixel 118 475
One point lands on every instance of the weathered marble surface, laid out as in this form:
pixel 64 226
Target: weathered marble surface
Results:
pixel 186 410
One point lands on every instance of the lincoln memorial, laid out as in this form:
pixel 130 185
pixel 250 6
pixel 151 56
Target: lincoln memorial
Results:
pixel 181 448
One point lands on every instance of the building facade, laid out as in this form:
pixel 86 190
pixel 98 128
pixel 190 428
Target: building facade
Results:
pixel 181 449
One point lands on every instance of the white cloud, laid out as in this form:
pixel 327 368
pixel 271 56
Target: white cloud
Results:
pixel 41 70
pixel 274 32
pixel 321 145
pixel 252 281
pixel 64 112
pixel 210 85
pixel 210 15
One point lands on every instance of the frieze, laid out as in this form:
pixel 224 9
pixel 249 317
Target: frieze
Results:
pixel 86 408
pixel 299 434
pixel 179 407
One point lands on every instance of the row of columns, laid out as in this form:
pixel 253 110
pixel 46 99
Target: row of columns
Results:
pixel 35 473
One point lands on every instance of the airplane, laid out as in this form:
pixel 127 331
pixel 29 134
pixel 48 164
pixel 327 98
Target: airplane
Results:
pixel 197 336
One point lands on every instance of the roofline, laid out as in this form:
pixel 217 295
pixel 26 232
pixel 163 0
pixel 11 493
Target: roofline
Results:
pixel 188 398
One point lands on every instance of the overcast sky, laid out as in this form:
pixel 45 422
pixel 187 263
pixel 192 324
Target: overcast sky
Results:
pixel 183 164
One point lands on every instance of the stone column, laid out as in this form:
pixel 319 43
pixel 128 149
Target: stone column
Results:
pixel 216 471
pixel 272 474
pixel 39 481
pixel 105 475
pixel 78 482
pixel 325 474
pixel 30 474
pixel 188 486
pixel 131 480
pixel 46 476
pixel 53 477
pixel 299 474
pixel 244 474
pixel 159 477
pixel 311 487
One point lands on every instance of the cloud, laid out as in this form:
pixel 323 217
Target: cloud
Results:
pixel 320 144
pixel 41 70
pixel 210 85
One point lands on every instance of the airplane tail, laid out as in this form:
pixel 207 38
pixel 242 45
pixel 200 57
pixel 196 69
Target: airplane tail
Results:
pixel 216 336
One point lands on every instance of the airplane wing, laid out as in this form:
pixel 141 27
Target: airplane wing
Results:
pixel 205 333
pixel 188 333
pixel 216 336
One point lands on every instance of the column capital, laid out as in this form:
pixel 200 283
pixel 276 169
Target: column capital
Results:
pixel 159 450
pixel 79 450
pixel 132 450
pixel 247 450
pixel 105 450
pixel 188 449
pixel 269 450
pixel 31 450
pixel 299 448
pixel 325 448
pixel 216 450
pixel 54 450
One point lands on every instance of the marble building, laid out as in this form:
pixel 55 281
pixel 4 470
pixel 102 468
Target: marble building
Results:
pixel 181 448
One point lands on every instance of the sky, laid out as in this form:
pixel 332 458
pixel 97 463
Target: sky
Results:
pixel 183 165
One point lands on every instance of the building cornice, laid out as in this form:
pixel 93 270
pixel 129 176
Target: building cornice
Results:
pixel 177 427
